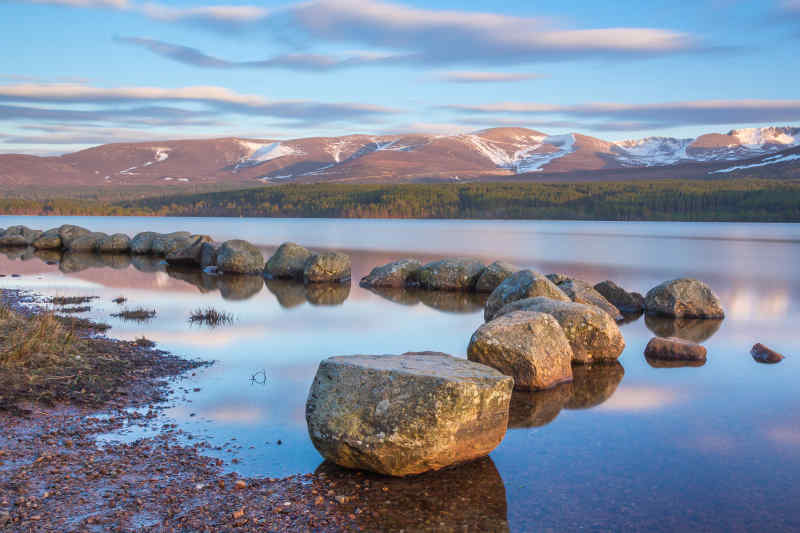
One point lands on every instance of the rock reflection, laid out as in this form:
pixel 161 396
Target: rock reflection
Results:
pixel 327 293
pixel 288 293
pixel 660 363
pixel 628 318
pixel 17 252
pixel 72 262
pixel 594 384
pixel 468 497
pixel 396 295
pixel 690 329
pixel 194 276
pixel 453 301
pixel 51 257
pixel 116 261
pixel 530 409
pixel 239 287
pixel 148 263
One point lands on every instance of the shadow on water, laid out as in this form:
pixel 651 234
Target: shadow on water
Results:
pixel 447 301
pixel 594 384
pixel 468 497
pixel 690 329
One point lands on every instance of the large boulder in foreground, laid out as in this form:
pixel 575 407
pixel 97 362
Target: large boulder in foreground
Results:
pixel 494 275
pixel 583 293
pixel 19 236
pixel 288 262
pixel 626 302
pixel 406 414
pixel 518 286
pixel 529 346
pixel 114 244
pixel 395 274
pixel 327 267
pixel 239 257
pixel 592 333
pixel 674 349
pixel 684 297
pixel 459 274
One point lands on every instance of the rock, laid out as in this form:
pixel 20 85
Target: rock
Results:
pixel 530 409
pixel 288 262
pixel 406 414
pixel 49 240
pixel 518 286
pixel 86 243
pixel 239 257
pixel 19 236
pixel 114 244
pixel 494 275
pixel 327 293
pixel 68 232
pixel 591 332
pixel 186 251
pixel 583 293
pixel 762 354
pixel 142 243
pixel 458 274
pixel 683 297
pixel 327 267
pixel 690 329
pixel 289 293
pixel 208 255
pixel 594 384
pixel 395 274
pixel 558 278
pixel 531 347
pixel 239 286
pixel 627 302
pixel 162 241
pixel 674 349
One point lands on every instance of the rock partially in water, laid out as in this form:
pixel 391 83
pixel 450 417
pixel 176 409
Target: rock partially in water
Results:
pixel 683 297
pixel 452 301
pixel 288 262
pixel 327 293
pixel 89 242
pixel 186 251
pixel 626 302
pixel 691 329
pixel 530 409
pixel 142 243
pixel 592 333
pixel 583 293
pixel 529 346
pixel 762 354
pixel 208 254
pixel 114 244
pixel 327 267
pixel 49 240
pixel 161 241
pixel 19 236
pixel 239 257
pixel 289 293
pixel 69 232
pixel 674 349
pixel 407 414
pixel 518 286
pixel 593 384
pixel 395 274
pixel 239 286
pixel 459 274
pixel 493 275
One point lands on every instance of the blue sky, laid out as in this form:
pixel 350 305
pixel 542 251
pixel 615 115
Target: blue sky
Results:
pixel 77 73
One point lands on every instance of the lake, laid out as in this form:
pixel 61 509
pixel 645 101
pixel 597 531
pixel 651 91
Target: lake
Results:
pixel 715 447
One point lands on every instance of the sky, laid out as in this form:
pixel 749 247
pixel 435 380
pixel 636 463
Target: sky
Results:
pixel 77 73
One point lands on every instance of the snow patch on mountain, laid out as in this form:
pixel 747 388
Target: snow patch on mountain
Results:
pixel 524 158
pixel 651 151
pixel 536 162
pixel 260 153
pixel 761 136
pixel 161 154
pixel 772 160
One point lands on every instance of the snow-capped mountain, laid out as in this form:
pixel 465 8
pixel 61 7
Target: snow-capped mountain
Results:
pixel 490 153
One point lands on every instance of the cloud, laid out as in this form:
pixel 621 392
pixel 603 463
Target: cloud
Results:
pixel 790 6
pixel 471 76
pixel 699 112
pixel 113 4
pixel 149 115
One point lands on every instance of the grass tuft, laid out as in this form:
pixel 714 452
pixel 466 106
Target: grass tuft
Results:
pixel 75 309
pixel 119 300
pixel 71 300
pixel 210 317
pixel 139 314
pixel 144 341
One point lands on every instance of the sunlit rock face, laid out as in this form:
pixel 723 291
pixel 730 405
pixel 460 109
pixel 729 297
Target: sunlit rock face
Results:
pixel 142 243
pixel 19 236
pixel 49 240
pixel 518 286
pixel 327 267
pixel 581 292
pixel 594 384
pixel 287 262
pixel 406 414
pixel 494 275
pixel 459 274
pixel 683 297
pixel 395 274
pixel 239 257
pixel 674 349
pixel 762 354
pixel 114 244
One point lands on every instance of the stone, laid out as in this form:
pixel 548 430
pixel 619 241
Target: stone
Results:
pixel 400 415
pixel 68 232
pixel 493 275
pixel 690 329
pixel 626 302
pixel 142 243
pixel 592 333
pixel 49 240
pixel 327 267
pixel 239 257
pixel 558 278
pixel 518 286
pixel 114 244
pixel 186 251
pixel 208 255
pixel 583 293
pixel 86 243
pixel 396 274
pixel 674 349
pixel 162 241
pixel 529 346
pixel 459 274
pixel 19 236
pixel 684 297
pixel 531 409
pixel 762 354
pixel 288 262
pixel 593 384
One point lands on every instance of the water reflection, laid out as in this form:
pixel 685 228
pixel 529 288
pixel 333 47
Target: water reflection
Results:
pixel 661 363
pixel 288 293
pixel 469 497
pixel 448 301
pixel 327 293
pixel 239 287
pixel 72 262
pixel 690 329
pixel 530 409
pixel 594 384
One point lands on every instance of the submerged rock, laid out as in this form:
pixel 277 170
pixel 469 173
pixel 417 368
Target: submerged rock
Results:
pixel 493 275
pixel 762 354
pixel 114 244
pixel 327 267
pixel 594 384
pixel 529 346
pixel 142 243
pixel 531 409
pixel 592 333
pixel 395 274
pixel 674 349
pixel 239 257
pixel 459 274
pixel 683 297
pixel 690 329
pixel 518 286
pixel 626 302
pixel 583 293
pixel 407 414
pixel 288 262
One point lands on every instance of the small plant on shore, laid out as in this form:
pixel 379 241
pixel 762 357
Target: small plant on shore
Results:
pixel 5 312
pixel 145 342
pixel 139 314
pixel 75 309
pixel 119 300
pixel 210 317
pixel 71 300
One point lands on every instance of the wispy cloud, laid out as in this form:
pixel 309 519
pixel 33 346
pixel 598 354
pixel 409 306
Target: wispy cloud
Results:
pixel 472 76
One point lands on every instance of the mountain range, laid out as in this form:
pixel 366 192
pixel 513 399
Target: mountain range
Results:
pixel 491 154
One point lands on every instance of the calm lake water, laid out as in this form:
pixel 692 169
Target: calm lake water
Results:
pixel 715 447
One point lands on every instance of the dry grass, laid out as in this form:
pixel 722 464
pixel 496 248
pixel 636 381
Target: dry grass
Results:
pixel 139 314
pixel 71 300
pixel 74 309
pixel 145 342
pixel 119 300
pixel 210 317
